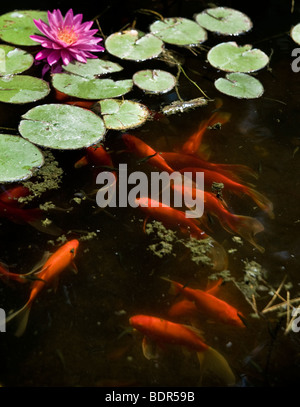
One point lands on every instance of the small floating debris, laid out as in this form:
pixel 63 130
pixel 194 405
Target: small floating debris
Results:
pixel 182 106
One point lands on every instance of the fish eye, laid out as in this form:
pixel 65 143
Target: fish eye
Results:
pixel 72 251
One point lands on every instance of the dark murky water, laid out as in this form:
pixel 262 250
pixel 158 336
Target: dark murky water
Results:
pixel 78 335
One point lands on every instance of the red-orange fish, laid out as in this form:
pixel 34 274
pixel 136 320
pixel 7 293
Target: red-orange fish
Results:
pixel 161 332
pixel 56 263
pixel 179 160
pixel 11 196
pixel 7 276
pixel 212 176
pixel 174 218
pixel 143 150
pixel 192 145
pixel 95 155
pixel 209 304
pixel 245 226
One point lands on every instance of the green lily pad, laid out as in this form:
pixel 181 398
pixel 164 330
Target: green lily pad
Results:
pixel 87 88
pixel 93 68
pixel 240 85
pixel 14 60
pixel 154 81
pixel 123 114
pixel 61 126
pixel 224 20
pixel 178 31
pixel 134 45
pixel 18 157
pixel 16 26
pixel 19 89
pixel 295 33
pixel 230 57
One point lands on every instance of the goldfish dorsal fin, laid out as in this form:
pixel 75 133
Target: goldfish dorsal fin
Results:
pixel 195 330
pixel 149 348
pixel 73 267
pixel 214 288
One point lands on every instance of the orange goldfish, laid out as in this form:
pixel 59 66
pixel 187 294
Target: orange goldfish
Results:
pixel 212 176
pixel 209 304
pixel 56 263
pixel 179 160
pixel 12 195
pixel 7 275
pixel 95 155
pixel 161 331
pixel 245 226
pixel 173 218
pixel 143 150
pixel 192 145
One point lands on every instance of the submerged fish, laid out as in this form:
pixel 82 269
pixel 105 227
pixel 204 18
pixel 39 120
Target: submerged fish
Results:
pixel 161 331
pixel 95 155
pixel 209 304
pixel 174 218
pixel 11 196
pixel 56 263
pixel 211 177
pixel 7 276
pixel 143 150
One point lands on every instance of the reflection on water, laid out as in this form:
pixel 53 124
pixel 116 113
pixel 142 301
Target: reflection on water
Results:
pixel 79 335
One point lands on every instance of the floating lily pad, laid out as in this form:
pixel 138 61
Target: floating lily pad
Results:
pixel 224 20
pixel 14 60
pixel 179 31
pixel 17 26
pixel 123 114
pixel 20 89
pixel 93 68
pixel 18 157
pixel 87 88
pixel 295 33
pixel 61 126
pixel 134 45
pixel 230 57
pixel 154 81
pixel 240 85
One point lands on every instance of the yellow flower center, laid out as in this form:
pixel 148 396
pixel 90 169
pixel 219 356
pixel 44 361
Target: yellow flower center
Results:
pixel 67 35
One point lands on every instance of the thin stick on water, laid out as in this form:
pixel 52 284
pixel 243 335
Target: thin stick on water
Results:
pixel 276 294
pixel 277 306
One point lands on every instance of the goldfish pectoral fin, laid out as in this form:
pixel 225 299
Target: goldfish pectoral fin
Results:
pixel 145 223
pixel 149 348
pixel 74 268
pixel 20 318
pixel 214 287
pixel 39 265
pixel 42 226
pixel 213 361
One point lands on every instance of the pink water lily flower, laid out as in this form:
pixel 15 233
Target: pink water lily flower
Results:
pixel 66 39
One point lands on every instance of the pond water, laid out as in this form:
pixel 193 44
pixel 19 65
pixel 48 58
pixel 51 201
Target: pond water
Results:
pixel 79 334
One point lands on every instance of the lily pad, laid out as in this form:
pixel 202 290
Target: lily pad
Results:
pixel 295 33
pixel 93 68
pixel 18 25
pixel 134 45
pixel 230 57
pixel 178 31
pixel 61 126
pixel 14 60
pixel 19 89
pixel 240 85
pixel 87 88
pixel 123 114
pixel 18 157
pixel 224 20
pixel 154 81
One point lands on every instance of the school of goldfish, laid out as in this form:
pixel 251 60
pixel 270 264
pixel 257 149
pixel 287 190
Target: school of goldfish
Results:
pixel 193 302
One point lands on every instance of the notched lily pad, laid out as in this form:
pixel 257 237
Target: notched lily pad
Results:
pixel 295 33
pixel 93 68
pixel 61 126
pixel 19 89
pixel 18 157
pixel 87 88
pixel 154 81
pixel 240 85
pixel 16 26
pixel 14 60
pixel 178 31
pixel 134 45
pixel 230 57
pixel 123 114
pixel 224 20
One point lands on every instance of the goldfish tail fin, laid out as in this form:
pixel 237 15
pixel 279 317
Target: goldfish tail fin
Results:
pixel 20 318
pixel 42 226
pixel 246 226
pixel 263 202
pixel 218 256
pixel 212 360
pixel 238 171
